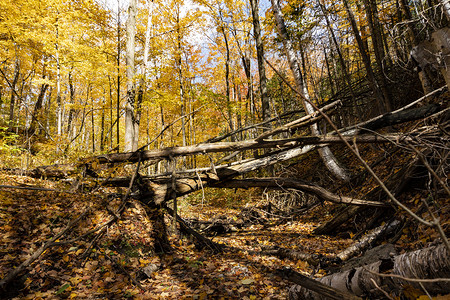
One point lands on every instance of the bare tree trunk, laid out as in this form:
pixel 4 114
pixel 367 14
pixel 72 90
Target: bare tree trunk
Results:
pixel 382 102
pixel 377 42
pixel 37 108
pixel 72 101
pixel 227 70
pixel 118 75
pixel 325 152
pixel 102 124
pixel 59 108
pixel 180 82
pixel 348 79
pixel 265 101
pixel 13 92
pixel 111 124
pixel 131 89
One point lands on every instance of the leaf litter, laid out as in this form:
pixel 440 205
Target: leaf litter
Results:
pixel 112 267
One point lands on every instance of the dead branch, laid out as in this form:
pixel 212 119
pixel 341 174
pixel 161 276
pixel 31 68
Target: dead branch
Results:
pixel 201 241
pixel 426 280
pixel 303 121
pixel 33 188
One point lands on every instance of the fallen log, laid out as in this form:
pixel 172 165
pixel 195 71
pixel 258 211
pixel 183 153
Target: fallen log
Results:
pixel 369 240
pixel 288 183
pixel 425 264
pixel 168 152
pixel 323 290
pixel 161 189
pixel 381 252
pixel 291 254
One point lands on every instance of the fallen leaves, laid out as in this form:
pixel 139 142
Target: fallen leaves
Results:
pixel 106 269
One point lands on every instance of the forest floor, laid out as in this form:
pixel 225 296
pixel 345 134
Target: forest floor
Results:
pixel 28 218
pixel 111 266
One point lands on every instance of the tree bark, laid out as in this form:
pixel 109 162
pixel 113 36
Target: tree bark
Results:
pixel 433 262
pixel 118 78
pixel 227 70
pixel 322 291
pixel 59 109
pixel 130 138
pixel 446 8
pixel 369 240
pixel 37 108
pixel 168 152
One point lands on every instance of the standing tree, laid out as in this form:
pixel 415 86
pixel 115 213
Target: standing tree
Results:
pixel 265 101
pixel 131 122
pixel 325 152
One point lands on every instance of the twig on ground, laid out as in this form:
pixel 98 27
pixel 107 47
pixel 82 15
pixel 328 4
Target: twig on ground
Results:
pixel 381 290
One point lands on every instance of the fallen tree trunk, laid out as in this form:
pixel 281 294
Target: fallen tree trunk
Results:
pixel 369 240
pixel 288 183
pixel 291 254
pixel 420 266
pixel 323 290
pixel 168 152
pixel 161 189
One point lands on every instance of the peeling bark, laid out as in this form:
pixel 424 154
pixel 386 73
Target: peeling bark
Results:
pixel 432 262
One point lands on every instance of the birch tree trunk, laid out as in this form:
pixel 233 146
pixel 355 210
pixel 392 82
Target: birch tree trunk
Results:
pixel 433 262
pixel 131 89
pixel 446 8
pixel 118 75
pixel 325 152
pixel 58 85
